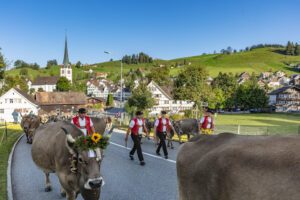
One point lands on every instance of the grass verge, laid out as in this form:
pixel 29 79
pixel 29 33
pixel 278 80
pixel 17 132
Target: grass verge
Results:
pixel 13 133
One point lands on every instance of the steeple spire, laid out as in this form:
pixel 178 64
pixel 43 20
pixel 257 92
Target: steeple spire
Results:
pixel 66 57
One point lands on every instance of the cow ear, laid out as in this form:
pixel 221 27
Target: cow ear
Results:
pixel 69 141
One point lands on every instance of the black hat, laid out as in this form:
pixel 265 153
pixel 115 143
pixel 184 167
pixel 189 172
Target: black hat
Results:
pixel 82 110
pixel 139 113
pixel 163 112
pixel 210 110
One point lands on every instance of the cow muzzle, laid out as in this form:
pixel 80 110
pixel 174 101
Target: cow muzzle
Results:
pixel 94 183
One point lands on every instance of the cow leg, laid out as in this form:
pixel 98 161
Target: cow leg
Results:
pixel 180 141
pixel 48 183
pixel 71 196
pixel 62 192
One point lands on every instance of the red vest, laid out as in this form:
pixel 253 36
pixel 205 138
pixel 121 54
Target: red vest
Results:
pixel 206 122
pixel 160 126
pixel 87 123
pixel 135 128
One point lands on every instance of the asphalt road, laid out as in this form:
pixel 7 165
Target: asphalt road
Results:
pixel 124 179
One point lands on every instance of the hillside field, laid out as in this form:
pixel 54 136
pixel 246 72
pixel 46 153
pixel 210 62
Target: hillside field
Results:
pixel 257 61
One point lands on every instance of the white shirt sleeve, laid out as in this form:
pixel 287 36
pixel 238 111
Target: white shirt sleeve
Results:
pixel 72 122
pixel 91 122
pixel 202 120
pixel 131 124
pixel 170 124
pixel 156 123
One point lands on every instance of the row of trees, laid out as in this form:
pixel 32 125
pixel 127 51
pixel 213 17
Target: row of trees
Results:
pixel 137 58
pixel 51 63
pixel 292 49
pixel 22 64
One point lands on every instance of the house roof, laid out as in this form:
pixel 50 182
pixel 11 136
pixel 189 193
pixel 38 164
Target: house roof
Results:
pixel 27 96
pixel 52 98
pixel 46 80
pixel 167 90
pixel 98 98
pixel 274 92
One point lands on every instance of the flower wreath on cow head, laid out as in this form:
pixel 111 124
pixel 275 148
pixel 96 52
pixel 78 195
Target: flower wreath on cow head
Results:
pixel 86 142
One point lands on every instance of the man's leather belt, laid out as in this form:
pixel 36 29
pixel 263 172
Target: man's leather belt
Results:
pixel 82 127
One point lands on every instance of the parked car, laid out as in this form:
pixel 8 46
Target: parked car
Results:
pixel 220 111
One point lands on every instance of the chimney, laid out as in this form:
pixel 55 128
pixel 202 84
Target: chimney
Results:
pixel 18 86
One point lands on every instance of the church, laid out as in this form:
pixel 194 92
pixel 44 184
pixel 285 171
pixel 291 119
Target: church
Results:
pixel 66 69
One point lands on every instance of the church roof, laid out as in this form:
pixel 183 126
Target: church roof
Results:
pixel 66 57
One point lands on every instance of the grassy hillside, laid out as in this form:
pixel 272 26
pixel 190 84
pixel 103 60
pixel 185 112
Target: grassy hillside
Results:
pixel 258 60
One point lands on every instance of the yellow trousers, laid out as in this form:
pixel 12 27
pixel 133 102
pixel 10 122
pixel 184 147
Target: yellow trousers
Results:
pixel 205 131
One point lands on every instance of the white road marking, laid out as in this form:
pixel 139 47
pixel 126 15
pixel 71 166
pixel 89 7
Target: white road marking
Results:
pixel 148 154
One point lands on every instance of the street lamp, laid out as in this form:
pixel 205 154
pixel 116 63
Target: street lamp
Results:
pixel 121 98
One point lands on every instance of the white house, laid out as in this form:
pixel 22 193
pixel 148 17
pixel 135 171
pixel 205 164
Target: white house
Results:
pixel 97 88
pixel 47 83
pixel 16 99
pixel 164 100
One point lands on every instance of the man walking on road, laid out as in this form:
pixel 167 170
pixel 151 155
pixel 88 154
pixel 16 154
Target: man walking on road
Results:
pixel 136 128
pixel 161 127
pixel 206 124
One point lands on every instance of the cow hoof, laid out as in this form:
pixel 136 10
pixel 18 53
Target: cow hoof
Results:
pixel 63 194
pixel 48 189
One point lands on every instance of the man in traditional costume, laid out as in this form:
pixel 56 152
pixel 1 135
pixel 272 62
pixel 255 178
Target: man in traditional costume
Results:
pixel 136 128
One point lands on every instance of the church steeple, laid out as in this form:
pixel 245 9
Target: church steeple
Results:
pixel 66 69
pixel 66 57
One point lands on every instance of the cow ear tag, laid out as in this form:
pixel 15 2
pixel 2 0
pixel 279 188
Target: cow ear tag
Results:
pixel 91 153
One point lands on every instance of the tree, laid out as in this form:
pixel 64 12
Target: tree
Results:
pixel 249 95
pixel 78 64
pixel 191 84
pixel 2 65
pixel 297 50
pixel 160 75
pixel 228 84
pixel 32 91
pixel 217 99
pixel 51 63
pixel 23 71
pixel 110 100
pixel 290 49
pixel 40 90
pixel 14 81
pixel 63 84
pixel 141 99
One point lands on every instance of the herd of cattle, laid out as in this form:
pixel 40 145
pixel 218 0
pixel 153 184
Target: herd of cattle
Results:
pixel 211 167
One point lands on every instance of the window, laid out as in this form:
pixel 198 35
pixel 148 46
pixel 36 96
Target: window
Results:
pixel 281 95
pixel 11 101
pixel 1 110
pixel 281 102
pixel 174 102
pixel 19 100
pixel 166 102
pixel 62 71
pixel 69 72
pixel 5 100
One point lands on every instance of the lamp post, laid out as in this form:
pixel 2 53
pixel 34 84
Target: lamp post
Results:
pixel 121 82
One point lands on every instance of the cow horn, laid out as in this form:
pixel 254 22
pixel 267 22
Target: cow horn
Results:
pixel 69 136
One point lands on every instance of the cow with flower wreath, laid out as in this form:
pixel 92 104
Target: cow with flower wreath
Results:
pixel 62 146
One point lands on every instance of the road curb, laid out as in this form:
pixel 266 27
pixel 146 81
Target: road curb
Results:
pixel 8 172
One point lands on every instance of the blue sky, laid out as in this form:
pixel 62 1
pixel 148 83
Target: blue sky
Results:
pixel 34 30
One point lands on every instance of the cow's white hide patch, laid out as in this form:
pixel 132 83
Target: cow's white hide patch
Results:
pixel 91 153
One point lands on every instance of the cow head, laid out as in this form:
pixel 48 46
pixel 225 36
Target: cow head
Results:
pixel 88 165
pixel 177 127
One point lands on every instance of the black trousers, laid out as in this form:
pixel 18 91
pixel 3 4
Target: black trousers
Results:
pixel 137 146
pixel 162 143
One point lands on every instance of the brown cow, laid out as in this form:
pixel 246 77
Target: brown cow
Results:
pixel 235 167
pixel 51 151
pixel 29 124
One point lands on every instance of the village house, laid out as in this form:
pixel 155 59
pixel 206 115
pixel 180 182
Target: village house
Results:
pixel 243 77
pixel 17 100
pixel 47 83
pixel 164 100
pixel 274 82
pixel 28 82
pixel 280 73
pixel 284 81
pixel 266 75
pixel 126 93
pixel 97 88
pixel 91 101
pixel 60 102
pixel 101 75
pixel 261 82
pixel 286 99
pixel 295 79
